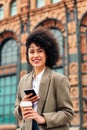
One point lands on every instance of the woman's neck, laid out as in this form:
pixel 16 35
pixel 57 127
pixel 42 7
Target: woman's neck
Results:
pixel 38 70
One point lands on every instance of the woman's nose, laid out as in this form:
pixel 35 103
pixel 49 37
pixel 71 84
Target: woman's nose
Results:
pixel 35 54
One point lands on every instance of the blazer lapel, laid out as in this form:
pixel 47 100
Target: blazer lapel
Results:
pixel 43 90
pixel 29 81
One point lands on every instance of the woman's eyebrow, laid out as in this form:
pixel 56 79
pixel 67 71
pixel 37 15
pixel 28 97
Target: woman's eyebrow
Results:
pixel 34 48
pixel 31 48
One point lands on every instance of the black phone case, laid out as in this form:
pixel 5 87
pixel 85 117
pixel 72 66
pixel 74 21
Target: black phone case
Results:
pixel 28 91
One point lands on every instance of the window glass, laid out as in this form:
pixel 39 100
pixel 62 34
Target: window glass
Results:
pixel 59 37
pixel 13 98
pixel 13 8
pixel 13 80
pixel 1 119
pixel 6 119
pixel 9 53
pixel 59 70
pixel 7 99
pixel 12 119
pixel 1 12
pixel 1 101
pixel 1 110
pixel 8 81
pixel 7 91
pixel 40 3
pixel 2 82
pixel 13 91
pixel 7 110
pixel 55 1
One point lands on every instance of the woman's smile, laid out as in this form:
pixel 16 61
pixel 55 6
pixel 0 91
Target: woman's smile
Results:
pixel 36 61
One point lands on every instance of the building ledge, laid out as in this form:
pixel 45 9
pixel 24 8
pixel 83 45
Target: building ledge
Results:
pixel 7 127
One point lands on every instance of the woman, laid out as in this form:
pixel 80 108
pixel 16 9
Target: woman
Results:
pixel 52 107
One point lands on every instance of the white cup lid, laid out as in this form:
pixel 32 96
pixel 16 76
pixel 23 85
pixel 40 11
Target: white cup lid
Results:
pixel 25 103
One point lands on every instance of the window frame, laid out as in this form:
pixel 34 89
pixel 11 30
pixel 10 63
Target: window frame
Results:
pixel 1 12
pixel 12 50
pixel 54 2
pixel 38 3
pixel 13 6
pixel 59 65
pixel 9 71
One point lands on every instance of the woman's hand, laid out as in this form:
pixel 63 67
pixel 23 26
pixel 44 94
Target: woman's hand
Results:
pixel 30 113
pixel 29 98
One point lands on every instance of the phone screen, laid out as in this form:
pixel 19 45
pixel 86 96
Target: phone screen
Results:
pixel 28 91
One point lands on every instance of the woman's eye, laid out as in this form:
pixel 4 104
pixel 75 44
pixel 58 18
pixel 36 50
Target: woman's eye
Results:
pixel 31 51
pixel 40 50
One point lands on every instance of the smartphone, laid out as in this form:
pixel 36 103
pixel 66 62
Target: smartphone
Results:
pixel 28 91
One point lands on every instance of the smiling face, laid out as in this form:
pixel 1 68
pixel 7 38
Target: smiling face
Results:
pixel 37 56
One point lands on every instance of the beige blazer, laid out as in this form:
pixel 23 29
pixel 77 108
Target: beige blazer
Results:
pixel 55 103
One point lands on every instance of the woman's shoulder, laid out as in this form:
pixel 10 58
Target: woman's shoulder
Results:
pixel 59 78
pixel 26 76
pixel 56 75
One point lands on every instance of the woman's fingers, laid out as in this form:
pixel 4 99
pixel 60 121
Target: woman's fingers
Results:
pixel 30 113
pixel 29 98
pixel 35 98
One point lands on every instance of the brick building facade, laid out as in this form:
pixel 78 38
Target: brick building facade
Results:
pixel 68 20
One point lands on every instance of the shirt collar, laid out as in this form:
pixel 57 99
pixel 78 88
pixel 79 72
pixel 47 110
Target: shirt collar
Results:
pixel 39 76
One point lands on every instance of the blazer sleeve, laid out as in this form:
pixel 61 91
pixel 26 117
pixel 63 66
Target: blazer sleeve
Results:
pixel 64 113
pixel 17 111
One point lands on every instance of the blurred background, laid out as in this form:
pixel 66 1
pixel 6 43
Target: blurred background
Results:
pixel 67 19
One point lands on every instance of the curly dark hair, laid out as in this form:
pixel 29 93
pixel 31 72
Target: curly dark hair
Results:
pixel 44 38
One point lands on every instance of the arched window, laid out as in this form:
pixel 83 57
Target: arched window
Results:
pixel 55 1
pixel 39 3
pixel 1 12
pixel 13 7
pixel 59 37
pixel 9 53
pixel 8 81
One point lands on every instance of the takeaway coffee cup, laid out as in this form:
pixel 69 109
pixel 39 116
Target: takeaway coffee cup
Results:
pixel 24 104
